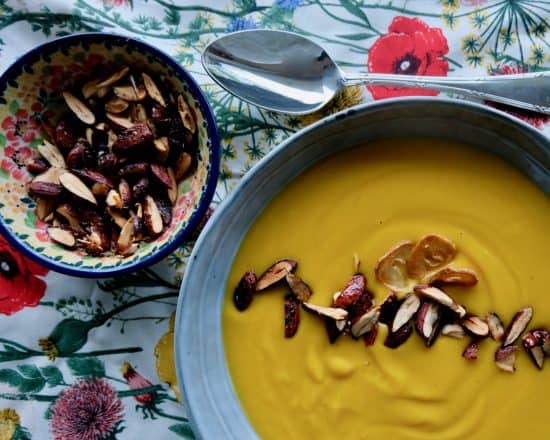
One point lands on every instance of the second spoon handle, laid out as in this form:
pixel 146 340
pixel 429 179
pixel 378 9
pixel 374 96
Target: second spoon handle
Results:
pixel 530 91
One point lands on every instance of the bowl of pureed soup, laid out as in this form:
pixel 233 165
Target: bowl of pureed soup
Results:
pixel 382 274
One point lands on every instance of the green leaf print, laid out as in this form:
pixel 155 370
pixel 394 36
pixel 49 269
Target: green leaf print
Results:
pixel 21 433
pixel 88 367
pixel 2 140
pixel 13 106
pixel 52 375
pixel 27 380
pixel 183 430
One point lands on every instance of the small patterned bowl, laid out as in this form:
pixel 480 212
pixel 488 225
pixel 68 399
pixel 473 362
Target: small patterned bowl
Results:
pixel 25 91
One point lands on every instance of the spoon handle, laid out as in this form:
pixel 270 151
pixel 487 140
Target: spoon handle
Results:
pixel 530 91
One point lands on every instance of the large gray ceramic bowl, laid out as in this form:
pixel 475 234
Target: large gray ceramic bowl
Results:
pixel 210 398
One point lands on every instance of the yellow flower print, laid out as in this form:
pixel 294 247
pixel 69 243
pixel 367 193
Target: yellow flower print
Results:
pixel 345 98
pixel 164 352
pixel 9 420
pixel 452 5
pixel 537 55
pixel 12 193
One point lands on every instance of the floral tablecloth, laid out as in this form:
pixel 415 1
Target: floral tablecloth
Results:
pixel 82 359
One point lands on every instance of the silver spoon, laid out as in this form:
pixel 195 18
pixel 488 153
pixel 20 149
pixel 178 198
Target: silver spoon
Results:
pixel 285 72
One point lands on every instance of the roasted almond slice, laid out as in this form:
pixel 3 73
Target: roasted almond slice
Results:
pixel 441 297
pixel 117 217
pixel 352 291
pixel 161 174
pixel 406 311
pixel 244 292
pixel 496 329
pixel 292 315
pixel 128 93
pixel 161 144
pixel 125 193
pixel 518 325
pixel 126 237
pixel 388 309
pixel 89 133
pixel 471 351
pixel 537 355
pixel 152 89
pixel 80 109
pixel 51 175
pixel 276 273
pixel 451 275
pixel 62 236
pixel 391 268
pixel 114 77
pixel 119 122
pixel 152 217
pixel 116 105
pixel 114 200
pixel 532 342
pixel 90 88
pixel 395 339
pixel 183 164
pixel 356 263
pixel 453 330
pixel 70 214
pixel 44 207
pixel 173 188
pixel 52 154
pixel 505 358
pixel 427 322
pixel 475 326
pixel 334 329
pixel 37 165
pixel 133 139
pixel 75 186
pixel 430 253
pixel 365 323
pixel 299 287
pixel 186 115
pixel 357 309
pixel 335 313
pixel 544 336
pixel 370 337
pixel 45 189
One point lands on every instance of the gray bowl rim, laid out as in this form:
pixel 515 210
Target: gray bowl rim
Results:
pixel 179 336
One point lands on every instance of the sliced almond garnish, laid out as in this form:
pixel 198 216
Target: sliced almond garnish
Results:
pixel 161 144
pixel 496 329
pixel 117 217
pixel 44 207
pixel 100 189
pixel 453 330
pixel 89 134
pixel 62 236
pixel 441 297
pixel 451 275
pixel 427 321
pixel 244 292
pixel 119 121
pixel 153 219
pixel 352 291
pixel 114 200
pixel 128 93
pixel 173 189
pixel 537 356
pixel 391 268
pixel 335 313
pixel 370 337
pixel 356 263
pixel 292 315
pixel 183 164
pixel 471 351
pixel 52 154
pixel 334 329
pixel 406 311
pixel 276 273
pixel 366 322
pixel 75 186
pixel 299 287
pixel 475 326
pixel 79 108
pixel 519 323
pixel 69 213
pixel 126 237
pixel 51 175
pixel 430 253
pixel 186 114
pixel 395 339
pixel 388 309
pixel 114 77
pixel 505 358
pixel 152 89
pixel 90 88
pixel 116 105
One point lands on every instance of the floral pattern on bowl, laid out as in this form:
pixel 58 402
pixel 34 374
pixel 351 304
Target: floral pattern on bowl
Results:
pixel 29 95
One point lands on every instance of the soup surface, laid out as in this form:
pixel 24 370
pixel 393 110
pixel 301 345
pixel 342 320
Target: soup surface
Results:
pixel 364 201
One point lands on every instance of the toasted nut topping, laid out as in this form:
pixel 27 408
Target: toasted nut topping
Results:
pixel 119 121
pixel 161 173
pixel 114 77
pixel 151 214
pixel 505 358
pixel 276 273
pixel 74 185
pixel 116 105
pixel 69 213
pixel 62 236
pixel 138 113
pixel 427 322
pixel 152 89
pixel 114 200
pixel 90 88
pixel 37 165
pixel 395 339
pixel 365 323
pixel 358 308
pixel 471 351
pixel 334 329
pixel 292 315
pixel 50 176
pixel 52 154
pixel 129 93
pixel 391 269
pixel 352 291
pixel 79 108
pixel 388 309
pixel 186 115
pixel 328 312
pixel 44 207
pixel 117 217
pixel 173 188
pixel 519 323
pixel 299 287
pixel 453 330
pixel 441 297
pixel 430 253
pixel 133 138
pixel 450 275
pixel 496 329
pixel 475 326
pixel 244 292
pixel 370 337
pixel 45 189
pixel 126 237
pixel 183 164
pixel 537 356
pixel 406 311
pixel 356 263
pixel 161 144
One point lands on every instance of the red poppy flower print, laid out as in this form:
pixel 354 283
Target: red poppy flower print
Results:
pixel 538 120
pixel 14 161
pixel 116 3
pixel 19 283
pixel 410 47
pixel 20 126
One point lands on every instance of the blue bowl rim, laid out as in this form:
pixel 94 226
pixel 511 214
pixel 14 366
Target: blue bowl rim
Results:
pixel 213 172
